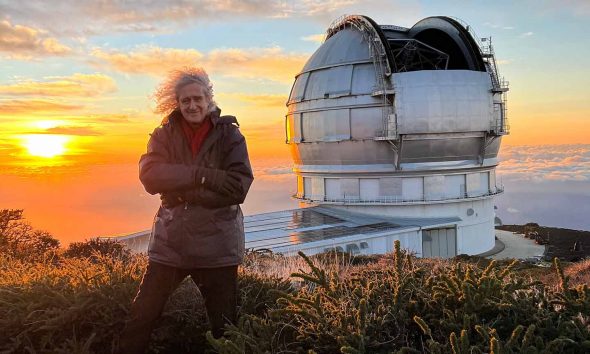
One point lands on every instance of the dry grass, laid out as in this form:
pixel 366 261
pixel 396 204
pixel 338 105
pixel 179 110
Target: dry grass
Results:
pixel 78 305
pixel 272 265
pixel 578 274
pixel 400 304
pixel 55 308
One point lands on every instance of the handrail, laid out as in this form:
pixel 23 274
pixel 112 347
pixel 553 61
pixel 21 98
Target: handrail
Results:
pixel 391 199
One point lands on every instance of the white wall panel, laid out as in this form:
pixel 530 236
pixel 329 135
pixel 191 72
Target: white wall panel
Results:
pixel 390 186
pixel 484 183
pixel 307 186
pixel 369 188
pixel 493 187
pixel 434 187
pixel 333 190
pixel 350 188
pixel 317 186
pixel 473 187
pixel 455 186
pixel 477 184
pixel 477 238
pixel 412 188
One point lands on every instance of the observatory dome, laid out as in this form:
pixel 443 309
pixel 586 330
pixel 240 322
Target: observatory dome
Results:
pixel 402 122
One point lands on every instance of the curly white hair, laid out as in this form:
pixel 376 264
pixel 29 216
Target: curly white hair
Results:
pixel 166 95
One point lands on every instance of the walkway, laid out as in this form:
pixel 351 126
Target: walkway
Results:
pixel 510 245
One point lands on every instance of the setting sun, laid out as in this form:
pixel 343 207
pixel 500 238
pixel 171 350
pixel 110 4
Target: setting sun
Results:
pixel 45 145
pixel 48 124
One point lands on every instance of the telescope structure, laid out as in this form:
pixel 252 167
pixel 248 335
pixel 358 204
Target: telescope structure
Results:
pixel 402 123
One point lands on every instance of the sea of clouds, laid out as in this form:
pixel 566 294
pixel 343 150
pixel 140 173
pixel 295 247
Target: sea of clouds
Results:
pixel 546 184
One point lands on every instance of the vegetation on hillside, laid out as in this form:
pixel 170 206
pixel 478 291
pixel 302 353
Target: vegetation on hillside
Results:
pixel 332 303
pixel 565 244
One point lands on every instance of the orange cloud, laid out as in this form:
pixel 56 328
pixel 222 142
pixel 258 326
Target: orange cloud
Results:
pixel 152 60
pixel 104 118
pixel 10 107
pixel 252 63
pixel 78 85
pixel 277 101
pixel 111 16
pixel 256 63
pixel 73 130
pixel 23 42
pixel 108 16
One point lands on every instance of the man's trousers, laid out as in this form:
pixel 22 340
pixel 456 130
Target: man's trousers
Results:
pixel 217 285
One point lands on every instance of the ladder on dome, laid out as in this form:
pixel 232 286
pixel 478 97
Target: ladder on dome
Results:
pixel 384 86
pixel 499 86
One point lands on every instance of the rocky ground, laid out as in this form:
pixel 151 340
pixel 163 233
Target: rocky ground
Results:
pixel 560 243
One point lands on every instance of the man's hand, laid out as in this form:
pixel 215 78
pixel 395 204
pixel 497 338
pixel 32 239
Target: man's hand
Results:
pixel 219 181
pixel 231 185
pixel 172 199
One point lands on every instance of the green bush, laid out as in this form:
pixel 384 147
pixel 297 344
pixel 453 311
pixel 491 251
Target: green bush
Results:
pixel 18 239
pixel 406 307
pixel 96 248
pixel 76 306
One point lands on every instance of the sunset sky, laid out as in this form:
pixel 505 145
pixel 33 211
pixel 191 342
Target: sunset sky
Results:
pixel 76 79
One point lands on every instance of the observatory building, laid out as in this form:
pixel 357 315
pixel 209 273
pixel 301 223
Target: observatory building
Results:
pixel 403 123
pixel 394 134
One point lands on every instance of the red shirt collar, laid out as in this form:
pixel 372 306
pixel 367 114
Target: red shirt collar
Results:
pixel 196 137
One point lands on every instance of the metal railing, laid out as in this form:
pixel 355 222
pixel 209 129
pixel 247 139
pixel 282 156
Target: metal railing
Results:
pixel 393 199
pixel 499 84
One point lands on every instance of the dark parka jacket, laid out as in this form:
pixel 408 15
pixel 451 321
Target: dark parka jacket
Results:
pixel 206 228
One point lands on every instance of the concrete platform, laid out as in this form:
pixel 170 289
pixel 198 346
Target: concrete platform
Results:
pixel 510 245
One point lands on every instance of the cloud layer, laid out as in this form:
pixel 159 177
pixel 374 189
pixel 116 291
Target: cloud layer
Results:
pixel 250 63
pixel 77 85
pixel 269 101
pixel 18 106
pixel 108 16
pixel 22 42
pixel 546 162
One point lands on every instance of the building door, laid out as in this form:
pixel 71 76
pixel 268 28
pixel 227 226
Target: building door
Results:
pixel 440 243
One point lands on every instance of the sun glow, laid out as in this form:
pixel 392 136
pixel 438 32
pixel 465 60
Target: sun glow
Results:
pixel 45 145
pixel 47 124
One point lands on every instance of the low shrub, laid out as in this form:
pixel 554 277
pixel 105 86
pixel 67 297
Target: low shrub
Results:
pixel 75 306
pixel 391 304
pixel 20 240
pixel 455 307
pixel 96 248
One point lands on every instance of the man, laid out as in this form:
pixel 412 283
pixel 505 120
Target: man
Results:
pixel 198 162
